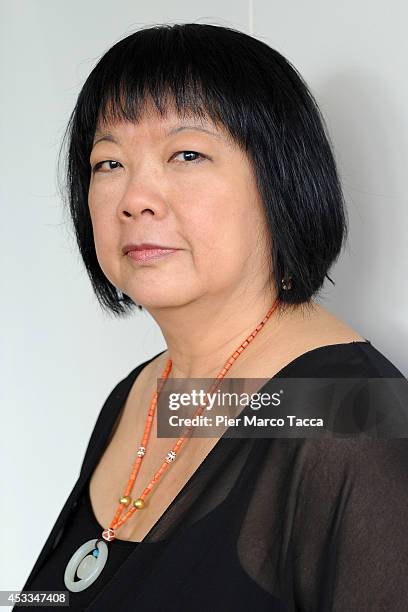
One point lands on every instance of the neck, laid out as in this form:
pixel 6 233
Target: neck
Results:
pixel 202 335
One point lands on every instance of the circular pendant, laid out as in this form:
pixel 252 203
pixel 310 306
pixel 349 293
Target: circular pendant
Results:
pixel 86 566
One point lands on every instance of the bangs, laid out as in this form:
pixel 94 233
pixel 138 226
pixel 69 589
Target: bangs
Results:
pixel 157 72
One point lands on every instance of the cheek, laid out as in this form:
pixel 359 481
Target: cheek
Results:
pixel 100 212
pixel 106 241
pixel 224 228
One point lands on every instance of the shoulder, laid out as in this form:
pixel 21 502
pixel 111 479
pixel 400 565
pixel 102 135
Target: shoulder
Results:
pixel 311 339
pixel 359 358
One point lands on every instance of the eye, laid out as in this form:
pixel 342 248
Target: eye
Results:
pixel 193 161
pixel 198 160
pixel 99 164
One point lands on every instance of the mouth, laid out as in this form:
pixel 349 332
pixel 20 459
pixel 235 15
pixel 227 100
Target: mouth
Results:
pixel 142 254
pixel 145 246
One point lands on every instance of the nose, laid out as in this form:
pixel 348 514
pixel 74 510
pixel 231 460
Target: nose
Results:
pixel 127 212
pixel 141 199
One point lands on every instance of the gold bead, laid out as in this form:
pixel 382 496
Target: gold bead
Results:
pixel 125 500
pixel 139 503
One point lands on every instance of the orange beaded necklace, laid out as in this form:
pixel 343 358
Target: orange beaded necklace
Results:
pixel 89 566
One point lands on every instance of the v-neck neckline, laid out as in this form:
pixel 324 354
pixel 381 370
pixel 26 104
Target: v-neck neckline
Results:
pixel 137 371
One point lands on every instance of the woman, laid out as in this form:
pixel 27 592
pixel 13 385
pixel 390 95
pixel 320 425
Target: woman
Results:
pixel 203 188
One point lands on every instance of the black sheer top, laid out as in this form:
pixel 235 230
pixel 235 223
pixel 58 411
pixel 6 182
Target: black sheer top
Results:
pixel 264 524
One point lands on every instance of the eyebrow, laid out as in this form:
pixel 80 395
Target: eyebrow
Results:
pixel 109 137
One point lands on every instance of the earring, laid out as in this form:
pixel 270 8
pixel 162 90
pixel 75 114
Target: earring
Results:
pixel 287 283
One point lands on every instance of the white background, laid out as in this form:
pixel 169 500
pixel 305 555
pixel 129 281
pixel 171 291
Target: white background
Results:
pixel 61 356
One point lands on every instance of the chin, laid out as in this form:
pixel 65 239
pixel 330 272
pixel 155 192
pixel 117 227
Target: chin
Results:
pixel 159 301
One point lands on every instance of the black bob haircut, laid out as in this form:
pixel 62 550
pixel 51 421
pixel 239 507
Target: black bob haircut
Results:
pixel 258 97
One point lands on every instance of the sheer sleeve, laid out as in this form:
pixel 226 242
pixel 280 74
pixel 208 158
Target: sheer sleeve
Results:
pixel 350 521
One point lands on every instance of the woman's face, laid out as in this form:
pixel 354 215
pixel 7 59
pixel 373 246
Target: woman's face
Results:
pixel 160 182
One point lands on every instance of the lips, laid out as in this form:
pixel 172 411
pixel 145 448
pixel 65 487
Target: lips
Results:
pixel 146 255
pixel 145 246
